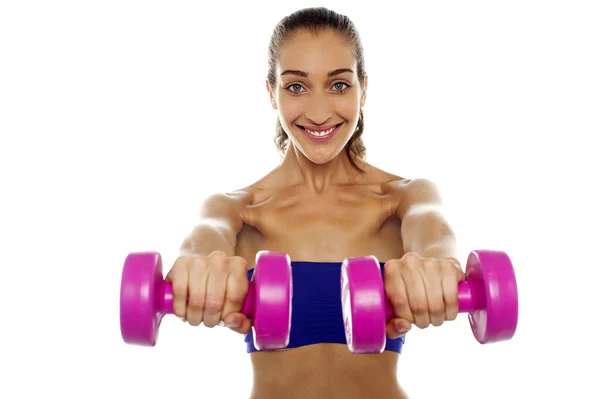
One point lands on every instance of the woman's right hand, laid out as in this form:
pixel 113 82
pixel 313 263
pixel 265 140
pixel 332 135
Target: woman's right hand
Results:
pixel 210 289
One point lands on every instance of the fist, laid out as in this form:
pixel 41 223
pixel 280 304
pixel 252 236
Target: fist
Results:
pixel 421 291
pixel 211 290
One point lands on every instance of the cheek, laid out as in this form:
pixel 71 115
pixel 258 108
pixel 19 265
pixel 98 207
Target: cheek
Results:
pixel 290 108
pixel 350 105
pixel 349 108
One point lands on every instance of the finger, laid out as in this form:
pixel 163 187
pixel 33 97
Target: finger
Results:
pixel 459 272
pixel 397 327
pixel 198 276
pixel 178 277
pixel 237 286
pixel 433 288
pixel 238 322
pixel 395 291
pixel 415 288
pixel 450 281
pixel 215 292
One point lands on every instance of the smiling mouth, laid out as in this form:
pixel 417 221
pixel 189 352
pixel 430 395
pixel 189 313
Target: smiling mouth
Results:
pixel 320 132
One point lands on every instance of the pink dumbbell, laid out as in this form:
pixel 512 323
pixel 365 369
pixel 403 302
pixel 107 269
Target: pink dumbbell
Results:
pixel 146 297
pixel 489 295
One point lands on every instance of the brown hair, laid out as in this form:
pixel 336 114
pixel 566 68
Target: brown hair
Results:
pixel 317 20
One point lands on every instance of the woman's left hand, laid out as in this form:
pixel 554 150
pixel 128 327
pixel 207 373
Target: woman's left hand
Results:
pixel 422 291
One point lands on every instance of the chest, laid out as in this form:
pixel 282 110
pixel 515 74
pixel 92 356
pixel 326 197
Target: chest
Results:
pixel 326 228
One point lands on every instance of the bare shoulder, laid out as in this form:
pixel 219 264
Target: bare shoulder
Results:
pixel 226 208
pixel 413 195
pixel 220 202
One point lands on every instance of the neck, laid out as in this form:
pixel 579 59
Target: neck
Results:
pixel 318 178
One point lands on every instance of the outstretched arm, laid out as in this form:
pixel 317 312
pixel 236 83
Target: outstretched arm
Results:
pixel 422 285
pixel 425 230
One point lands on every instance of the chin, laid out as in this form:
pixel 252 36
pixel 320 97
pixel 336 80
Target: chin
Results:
pixel 323 156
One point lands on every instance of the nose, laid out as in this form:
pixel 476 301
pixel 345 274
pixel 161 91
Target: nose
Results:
pixel 319 108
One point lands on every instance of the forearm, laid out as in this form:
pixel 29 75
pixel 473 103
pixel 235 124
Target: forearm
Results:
pixel 207 238
pixel 429 235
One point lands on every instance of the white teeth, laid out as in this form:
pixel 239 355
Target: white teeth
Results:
pixel 320 134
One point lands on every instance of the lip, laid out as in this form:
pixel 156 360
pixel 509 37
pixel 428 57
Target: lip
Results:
pixel 322 139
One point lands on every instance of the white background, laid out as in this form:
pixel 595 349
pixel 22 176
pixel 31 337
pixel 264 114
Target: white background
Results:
pixel 118 117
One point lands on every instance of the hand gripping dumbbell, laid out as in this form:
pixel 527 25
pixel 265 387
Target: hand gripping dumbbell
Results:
pixel 146 297
pixel 489 296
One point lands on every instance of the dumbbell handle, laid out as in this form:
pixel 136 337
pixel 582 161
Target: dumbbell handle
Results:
pixel 469 299
pixel 165 296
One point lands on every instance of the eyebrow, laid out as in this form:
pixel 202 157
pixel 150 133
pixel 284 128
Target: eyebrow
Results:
pixel 305 74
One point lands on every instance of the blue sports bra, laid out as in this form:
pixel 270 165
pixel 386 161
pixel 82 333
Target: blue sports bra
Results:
pixel 316 307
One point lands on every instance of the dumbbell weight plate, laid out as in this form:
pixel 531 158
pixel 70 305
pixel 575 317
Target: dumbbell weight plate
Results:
pixel 142 291
pixel 494 291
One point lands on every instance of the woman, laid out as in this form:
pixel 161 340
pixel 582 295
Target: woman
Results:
pixel 324 203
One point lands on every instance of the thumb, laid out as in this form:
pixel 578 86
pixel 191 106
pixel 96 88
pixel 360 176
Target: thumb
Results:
pixel 396 328
pixel 238 322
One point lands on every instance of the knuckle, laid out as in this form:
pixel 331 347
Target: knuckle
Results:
pixel 176 273
pixel 410 258
pixel 437 308
pixel 237 259
pixel 453 262
pixel 196 302
pixel 449 269
pixel 238 264
pixel 392 267
pixel 180 262
pixel 214 303
pixel 397 300
pixel 218 255
pixel 419 308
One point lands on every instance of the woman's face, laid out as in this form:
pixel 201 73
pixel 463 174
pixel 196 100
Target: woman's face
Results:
pixel 317 93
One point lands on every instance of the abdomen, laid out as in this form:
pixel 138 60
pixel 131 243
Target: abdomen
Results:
pixel 325 371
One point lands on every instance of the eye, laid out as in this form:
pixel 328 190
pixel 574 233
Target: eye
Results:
pixel 341 86
pixel 294 88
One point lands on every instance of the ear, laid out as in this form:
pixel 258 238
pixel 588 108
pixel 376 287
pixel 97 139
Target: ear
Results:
pixel 363 96
pixel 271 95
